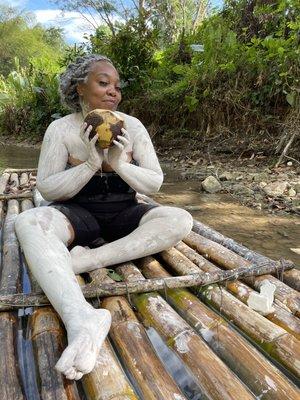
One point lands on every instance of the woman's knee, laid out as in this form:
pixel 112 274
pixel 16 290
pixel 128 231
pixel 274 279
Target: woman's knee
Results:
pixel 184 222
pixel 178 218
pixel 44 220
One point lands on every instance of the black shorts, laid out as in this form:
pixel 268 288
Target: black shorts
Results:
pixel 92 230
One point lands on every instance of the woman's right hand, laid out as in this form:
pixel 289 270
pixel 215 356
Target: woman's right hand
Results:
pixel 95 156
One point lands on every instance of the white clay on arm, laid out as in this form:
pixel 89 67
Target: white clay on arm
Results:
pixel 147 177
pixel 53 181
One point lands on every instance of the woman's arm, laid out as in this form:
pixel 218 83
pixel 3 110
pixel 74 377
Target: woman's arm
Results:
pixel 53 181
pixel 148 176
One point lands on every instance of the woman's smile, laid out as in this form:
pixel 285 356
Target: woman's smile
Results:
pixel 102 89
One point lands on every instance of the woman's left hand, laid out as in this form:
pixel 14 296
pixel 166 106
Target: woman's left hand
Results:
pixel 115 153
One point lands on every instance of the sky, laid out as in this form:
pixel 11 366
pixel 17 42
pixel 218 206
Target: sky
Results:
pixel 48 14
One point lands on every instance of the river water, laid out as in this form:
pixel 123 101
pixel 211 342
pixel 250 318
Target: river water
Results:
pixel 270 235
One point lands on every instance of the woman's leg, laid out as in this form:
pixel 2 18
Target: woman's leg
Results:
pixel 44 234
pixel 159 229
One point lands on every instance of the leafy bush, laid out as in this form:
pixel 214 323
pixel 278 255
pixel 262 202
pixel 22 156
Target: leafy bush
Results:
pixel 29 99
pixel 245 80
pixel 131 48
pixel 23 38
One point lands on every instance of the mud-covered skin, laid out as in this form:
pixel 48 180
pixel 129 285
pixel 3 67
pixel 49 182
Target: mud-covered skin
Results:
pixel 62 142
pixel 45 233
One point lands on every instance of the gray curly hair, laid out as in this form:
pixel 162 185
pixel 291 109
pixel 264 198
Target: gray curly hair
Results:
pixel 75 73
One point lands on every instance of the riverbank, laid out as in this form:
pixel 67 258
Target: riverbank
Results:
pixel 271 234
pixel 250 178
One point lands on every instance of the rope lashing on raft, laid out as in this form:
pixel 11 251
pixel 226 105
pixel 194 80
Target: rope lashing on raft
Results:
pixel 91 290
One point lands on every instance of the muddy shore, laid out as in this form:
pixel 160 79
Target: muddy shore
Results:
pixel 251 180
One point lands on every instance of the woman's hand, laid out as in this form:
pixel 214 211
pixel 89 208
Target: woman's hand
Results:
pixel 114 155
pixel 95 156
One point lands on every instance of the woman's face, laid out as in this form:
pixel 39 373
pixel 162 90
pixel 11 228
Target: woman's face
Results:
pixel 102 89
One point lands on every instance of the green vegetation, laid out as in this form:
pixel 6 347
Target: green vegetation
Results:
pixel 28 75
pixel 22 38
pixel 233 74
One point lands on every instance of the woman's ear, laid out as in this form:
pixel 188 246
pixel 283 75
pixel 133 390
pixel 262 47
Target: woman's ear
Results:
pixel 79 89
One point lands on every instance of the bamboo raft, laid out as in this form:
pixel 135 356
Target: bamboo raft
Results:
pixel 187 304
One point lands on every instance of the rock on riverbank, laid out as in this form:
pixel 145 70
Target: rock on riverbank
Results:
pixel 252 181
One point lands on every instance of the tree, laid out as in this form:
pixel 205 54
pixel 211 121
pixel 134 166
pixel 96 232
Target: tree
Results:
pixel 99 12
pixel 22 38
pixel 175 17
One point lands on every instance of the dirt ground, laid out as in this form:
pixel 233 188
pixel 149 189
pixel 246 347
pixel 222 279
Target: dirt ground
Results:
pixel 250 178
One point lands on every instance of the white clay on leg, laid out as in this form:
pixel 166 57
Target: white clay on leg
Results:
pixel 159 229
pixel 44 233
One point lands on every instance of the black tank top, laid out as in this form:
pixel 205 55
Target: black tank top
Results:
pixel 106 192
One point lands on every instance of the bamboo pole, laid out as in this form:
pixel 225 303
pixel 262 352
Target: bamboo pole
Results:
pixel 10 386
pixel 213 376
pixel 24 179
pixel 229 243
pixel 1 219
pixel 230 260
pixel 247 362
pixel 275 340
pixel 47 335
pixel 16 196
pixel 27 204
pixel 10 273
pixel 4 181
pixel 19 170
pixel 292 277
pixel 14 180
pixel 107 381
pixel 280 316
pixel 137 353
pixel 119 288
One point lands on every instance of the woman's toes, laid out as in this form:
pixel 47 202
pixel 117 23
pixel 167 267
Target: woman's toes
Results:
pixel 86 362
pixel 70 373
pixel 66 361
pixel 78 376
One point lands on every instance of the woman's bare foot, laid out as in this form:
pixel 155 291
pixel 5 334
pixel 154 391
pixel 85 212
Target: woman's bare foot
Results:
pixel 85 337
pixel 83 260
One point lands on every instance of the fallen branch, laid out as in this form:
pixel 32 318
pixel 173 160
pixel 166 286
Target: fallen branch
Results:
pixel 8 302
pixel 285 149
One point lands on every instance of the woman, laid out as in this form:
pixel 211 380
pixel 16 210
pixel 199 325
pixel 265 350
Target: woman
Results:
pixel 93 196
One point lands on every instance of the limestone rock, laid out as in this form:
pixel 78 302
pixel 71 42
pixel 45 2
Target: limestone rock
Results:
pixel 297 188
pixel 226 176
pixel 275 189
pixel 211 184
pixel 292 192
pixel 242 190
pixel 258 177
